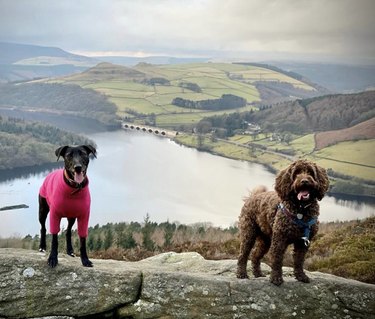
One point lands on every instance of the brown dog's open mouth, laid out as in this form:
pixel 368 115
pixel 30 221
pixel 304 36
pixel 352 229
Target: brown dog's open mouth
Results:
pixel 303 195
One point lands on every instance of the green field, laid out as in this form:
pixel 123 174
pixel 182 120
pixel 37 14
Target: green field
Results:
pixel 127 89
pixel 355 158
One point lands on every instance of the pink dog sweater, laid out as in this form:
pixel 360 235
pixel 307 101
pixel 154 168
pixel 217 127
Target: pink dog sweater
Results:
pixel 63 201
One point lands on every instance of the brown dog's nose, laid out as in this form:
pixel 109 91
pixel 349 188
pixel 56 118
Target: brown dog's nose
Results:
pixel 304 181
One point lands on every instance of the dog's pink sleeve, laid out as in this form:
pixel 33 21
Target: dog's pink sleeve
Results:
pixel 83 225
pixel 54 223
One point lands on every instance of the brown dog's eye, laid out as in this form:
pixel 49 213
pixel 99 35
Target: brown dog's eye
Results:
pixel 295 173
pixel 311 172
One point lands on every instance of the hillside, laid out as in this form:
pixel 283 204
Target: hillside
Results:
pixel 14 53
pixel 324 113
pixel 59 99
pixel 30 143
pixel 364 130
pixel 145 92
pixel 331 112
pixel 106 72
pixel 335 77
pixel 20 62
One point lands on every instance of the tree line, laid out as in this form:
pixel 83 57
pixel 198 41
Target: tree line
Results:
pixel 66 98
pixel 227 101
pixel 324 113
pixel 25 143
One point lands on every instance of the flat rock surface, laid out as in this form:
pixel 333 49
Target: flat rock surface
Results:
pixel 168 285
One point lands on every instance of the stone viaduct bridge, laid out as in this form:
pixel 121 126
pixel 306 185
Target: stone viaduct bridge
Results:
pixel 149 129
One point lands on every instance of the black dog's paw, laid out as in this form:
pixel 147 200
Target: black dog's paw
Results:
pixel 86 262
pixel 52 260
pixel 42 250
pixel 71 253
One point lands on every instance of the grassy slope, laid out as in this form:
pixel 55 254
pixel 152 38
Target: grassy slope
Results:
pixel 349 158
pixel 118 84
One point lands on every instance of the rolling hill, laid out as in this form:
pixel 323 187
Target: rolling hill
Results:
pixel 362 131
pixel 145 92
pixel 20 62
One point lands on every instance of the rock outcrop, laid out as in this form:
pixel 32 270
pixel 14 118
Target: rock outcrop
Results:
pixel 169 285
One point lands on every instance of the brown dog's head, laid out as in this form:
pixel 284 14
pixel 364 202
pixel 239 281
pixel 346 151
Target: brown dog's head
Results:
pixel 76 160
pixel 302 181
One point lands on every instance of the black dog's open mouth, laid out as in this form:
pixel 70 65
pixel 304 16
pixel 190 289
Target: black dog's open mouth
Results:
pixel 79 177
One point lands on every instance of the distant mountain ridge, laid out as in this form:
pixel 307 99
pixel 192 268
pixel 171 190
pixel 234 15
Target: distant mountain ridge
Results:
pixel 22 62
pixel 335 77
pixel 13 52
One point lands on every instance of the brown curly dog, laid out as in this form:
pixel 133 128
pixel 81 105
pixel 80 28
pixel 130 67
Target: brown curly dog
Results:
pixel 273 220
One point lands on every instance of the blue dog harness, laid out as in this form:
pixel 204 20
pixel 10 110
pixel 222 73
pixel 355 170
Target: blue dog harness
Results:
pixel 306 226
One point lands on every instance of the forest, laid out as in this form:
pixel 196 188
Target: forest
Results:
pixel 227 101
pixel 26 143
pixel 324 113
pixel 62 98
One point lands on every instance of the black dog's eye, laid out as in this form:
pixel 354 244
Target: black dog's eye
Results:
pixel 68 154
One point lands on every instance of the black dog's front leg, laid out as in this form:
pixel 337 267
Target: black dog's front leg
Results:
pixel 43 212
pixel 69 246
pixel 52 259
pixel 84 258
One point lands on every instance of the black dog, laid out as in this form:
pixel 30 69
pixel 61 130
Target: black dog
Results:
pixel 65 193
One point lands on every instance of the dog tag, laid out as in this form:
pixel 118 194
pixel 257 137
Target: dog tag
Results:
pixel 306 241
pixel 299 216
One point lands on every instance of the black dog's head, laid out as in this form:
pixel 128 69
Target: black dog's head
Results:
pixel 302 181
pixel 76 160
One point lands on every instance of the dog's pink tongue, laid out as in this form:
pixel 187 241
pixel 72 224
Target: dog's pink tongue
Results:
pixel 78 178
pixel 303 195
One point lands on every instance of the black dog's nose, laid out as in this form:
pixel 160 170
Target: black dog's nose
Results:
pixel 78 169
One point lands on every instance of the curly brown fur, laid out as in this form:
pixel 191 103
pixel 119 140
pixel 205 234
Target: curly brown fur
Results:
pixel 263 227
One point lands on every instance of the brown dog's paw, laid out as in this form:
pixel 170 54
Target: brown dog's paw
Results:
pixel 276 280
pixel 242 276
pixel 258 274
pixel 302 277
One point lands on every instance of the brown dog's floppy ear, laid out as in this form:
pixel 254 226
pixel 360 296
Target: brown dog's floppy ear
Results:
pixel 90 149
pixel 61 151
pixel 323 181
pixel 283 182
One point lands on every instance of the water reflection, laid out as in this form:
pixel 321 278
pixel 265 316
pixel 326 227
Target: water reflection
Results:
pixel 27 172
pixel 138 174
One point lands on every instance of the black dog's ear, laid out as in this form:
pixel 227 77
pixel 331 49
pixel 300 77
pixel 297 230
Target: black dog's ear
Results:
pixel 61 151
pixel 90 149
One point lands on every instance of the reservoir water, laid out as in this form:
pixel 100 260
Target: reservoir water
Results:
pixel 138 173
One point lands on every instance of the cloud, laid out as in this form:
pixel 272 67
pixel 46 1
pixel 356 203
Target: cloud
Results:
pixel 341 28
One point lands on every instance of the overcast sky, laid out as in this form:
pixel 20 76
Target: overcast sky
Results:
pixel 342 30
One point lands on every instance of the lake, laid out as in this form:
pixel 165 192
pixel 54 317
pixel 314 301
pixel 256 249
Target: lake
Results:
pixel 138 173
